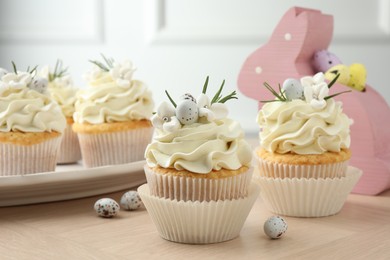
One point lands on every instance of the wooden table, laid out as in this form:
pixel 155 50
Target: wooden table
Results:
pixel 72 230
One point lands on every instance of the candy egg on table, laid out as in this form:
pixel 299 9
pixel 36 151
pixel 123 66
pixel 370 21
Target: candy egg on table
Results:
pixel 131 200
pixel 106 207
pixel 275 227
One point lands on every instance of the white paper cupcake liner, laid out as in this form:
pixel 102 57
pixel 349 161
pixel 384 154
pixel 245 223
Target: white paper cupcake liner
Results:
pixel 69 151
pixel 27 159
pixel 114 147
pixel 201 189
pixel 307 197
pixel 279 170
pixel 198 222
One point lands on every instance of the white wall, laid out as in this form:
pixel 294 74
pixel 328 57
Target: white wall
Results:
pixel 176 43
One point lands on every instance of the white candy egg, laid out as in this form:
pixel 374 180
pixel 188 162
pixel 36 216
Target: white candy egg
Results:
pixel 275 227
pixel 131 200
pixel 292 89
pixel 106 207
pixel 39 84
pixel 187 112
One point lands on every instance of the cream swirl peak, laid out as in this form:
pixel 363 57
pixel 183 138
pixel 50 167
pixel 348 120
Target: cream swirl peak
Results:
pixel 112 95
pixel 304 119
pixel 24 108
pixel 60 87
pixel 195 135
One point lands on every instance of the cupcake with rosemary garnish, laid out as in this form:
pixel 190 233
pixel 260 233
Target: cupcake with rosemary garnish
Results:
pixel 31 124
pixel 112 115
pixel 304 149
pixel 198 163
pixel 62 90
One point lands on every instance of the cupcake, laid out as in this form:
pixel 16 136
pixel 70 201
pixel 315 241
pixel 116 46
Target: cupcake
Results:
pixel 112 116
pixel 62 91
pixel 31 124
pixel 304 150
pixel 198 171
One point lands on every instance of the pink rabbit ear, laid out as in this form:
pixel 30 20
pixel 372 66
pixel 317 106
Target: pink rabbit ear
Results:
pixel 288 53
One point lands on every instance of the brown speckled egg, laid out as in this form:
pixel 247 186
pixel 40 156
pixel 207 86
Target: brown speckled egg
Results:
pixel 275 227
pixel 187 112
pixel 106 207
pixel 131 200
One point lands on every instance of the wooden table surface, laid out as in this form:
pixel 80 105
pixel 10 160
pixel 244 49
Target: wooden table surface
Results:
pixel 72 230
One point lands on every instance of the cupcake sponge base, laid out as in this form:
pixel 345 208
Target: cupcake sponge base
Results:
pixel 194 222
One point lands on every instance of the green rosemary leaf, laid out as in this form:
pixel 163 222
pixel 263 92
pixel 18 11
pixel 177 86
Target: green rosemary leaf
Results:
pixel 269 101
pixel 108 61
pixel 339 93
pixel 334 80
pixel 170 99
pixel 56 68
pixel 282 93
pixel 34 69
pixel 217 95
pixel 14 67
pixel 273 91
pixel 228 97
pixel 99 64
pixel 205 85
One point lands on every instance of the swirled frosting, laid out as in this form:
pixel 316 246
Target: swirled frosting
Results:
pixel 64 95
pixel 26 110
pixel 106 101
pixel 298 127
pixel 200 148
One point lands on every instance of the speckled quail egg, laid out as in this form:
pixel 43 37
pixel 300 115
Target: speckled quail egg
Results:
pixel 275 227
pixel 131 200
pixel 187 112
pixel 106 207
pixel 292 89
pixel 39 84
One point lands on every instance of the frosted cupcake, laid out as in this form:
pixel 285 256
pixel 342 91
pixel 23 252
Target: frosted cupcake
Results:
pixel 31 124
pixel 62 90
pixel 198 171
pixel 112 116
pixel 304 150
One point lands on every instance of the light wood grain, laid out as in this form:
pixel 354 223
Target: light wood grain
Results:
pixel 71 230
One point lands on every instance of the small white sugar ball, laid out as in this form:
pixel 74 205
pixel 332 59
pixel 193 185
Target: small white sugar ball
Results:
pixel 131 200
pixel 106 207
pixel 275 227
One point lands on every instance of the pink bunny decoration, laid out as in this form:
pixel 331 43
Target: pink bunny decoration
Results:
pixel 288 54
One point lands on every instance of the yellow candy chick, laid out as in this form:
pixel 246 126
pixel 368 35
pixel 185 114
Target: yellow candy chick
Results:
pixel 358 75
pixel 341 69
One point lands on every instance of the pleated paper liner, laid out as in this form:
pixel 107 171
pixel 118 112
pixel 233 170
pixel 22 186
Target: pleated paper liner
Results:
pixel 195 222
pixel 69 151
pixel 279 170
pixel 29 159
pixel 114 147
pixel 307 197
pixel 202 189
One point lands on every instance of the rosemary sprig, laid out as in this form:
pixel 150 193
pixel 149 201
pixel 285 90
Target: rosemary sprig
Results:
pixel 280 97
pixel 14 67
pixel 228 97
pixel 105 67
pixel 333 80
pixel 58 71
pixel 205 85
pixel 170 99
pixel 336 94
pixel 217 95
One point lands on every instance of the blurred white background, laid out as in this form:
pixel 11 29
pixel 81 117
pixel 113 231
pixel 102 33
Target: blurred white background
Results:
pixel 176 44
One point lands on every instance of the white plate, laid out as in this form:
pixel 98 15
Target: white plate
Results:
pixel 69 182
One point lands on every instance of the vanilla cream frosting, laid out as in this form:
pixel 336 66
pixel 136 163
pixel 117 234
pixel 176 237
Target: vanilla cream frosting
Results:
pixel 298 127
pixel 26 110
pixel 200 147
pixel 106 101
pixel 64 95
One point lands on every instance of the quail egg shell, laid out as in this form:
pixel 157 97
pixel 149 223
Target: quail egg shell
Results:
pixel 187 112
pixel 106 207
pixel 131 200
pixel 275 227
pixel 292 89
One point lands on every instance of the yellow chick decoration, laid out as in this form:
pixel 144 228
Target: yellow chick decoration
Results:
pixel 357 77
pixel 353 76
pixel 339 69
